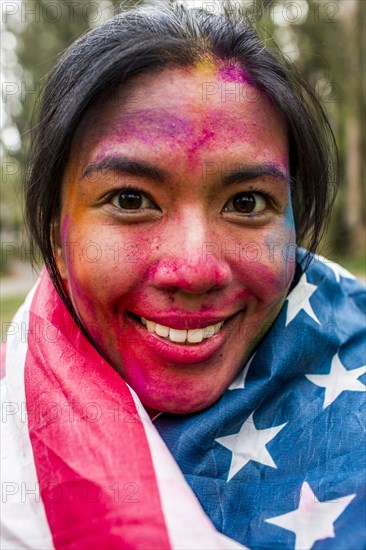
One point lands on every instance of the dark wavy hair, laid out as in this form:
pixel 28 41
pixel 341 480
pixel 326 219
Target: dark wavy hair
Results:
pixel 149 39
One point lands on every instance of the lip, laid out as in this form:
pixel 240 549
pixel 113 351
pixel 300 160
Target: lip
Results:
pixel 183 353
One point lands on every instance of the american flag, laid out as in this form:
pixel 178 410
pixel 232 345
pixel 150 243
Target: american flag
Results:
pixel 277 462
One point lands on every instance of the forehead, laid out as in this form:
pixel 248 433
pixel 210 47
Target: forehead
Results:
pixel 209 104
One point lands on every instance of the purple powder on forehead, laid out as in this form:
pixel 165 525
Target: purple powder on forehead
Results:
pixel 234 73
pixel 146 125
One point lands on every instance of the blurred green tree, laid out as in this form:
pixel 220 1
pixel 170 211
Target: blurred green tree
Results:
pixel 35 34
pixel 330 46
pixel 326 41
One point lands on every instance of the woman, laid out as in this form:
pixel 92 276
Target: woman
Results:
pixel 176 166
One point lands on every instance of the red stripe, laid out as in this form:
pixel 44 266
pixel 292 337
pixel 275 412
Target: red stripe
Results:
pixel 93 462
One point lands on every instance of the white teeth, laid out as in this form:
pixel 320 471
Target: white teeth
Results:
pixel 192 336
pixel 161 330
pixel 218 326
pixel 209 331
pixel 178 336
pixel 150 326
pixel 196 336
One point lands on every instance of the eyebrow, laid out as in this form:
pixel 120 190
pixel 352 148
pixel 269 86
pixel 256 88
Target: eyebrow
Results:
pixel 117 164
pixel 251 172
pixel 241 173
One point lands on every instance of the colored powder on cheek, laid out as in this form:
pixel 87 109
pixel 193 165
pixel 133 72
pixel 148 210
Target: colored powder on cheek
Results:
pixel 267 276
pixel 289 220
pixel 65 228
pixel 78 293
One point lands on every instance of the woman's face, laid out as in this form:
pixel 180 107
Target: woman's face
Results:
pixel 176 235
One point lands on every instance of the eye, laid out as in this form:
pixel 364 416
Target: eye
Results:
pixel 132 199
pixel 246 203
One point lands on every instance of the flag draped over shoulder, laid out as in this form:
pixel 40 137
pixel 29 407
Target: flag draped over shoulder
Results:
pixel 82 465
pixel 277 462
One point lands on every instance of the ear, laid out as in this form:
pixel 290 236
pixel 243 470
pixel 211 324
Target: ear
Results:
pixel 58 250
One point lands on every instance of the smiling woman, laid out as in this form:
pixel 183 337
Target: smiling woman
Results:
pixel 172 180
pixel 132 180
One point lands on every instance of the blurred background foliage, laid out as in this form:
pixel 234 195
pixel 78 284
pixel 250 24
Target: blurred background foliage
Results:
pixel 325 40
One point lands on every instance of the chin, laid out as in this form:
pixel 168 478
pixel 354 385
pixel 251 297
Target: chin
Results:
pixel 180 404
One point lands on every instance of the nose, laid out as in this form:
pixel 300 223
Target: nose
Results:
pixel 190 261
pixel 193 277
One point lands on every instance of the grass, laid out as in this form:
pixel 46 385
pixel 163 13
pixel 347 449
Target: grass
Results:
pixel 8 308
pixel 357 266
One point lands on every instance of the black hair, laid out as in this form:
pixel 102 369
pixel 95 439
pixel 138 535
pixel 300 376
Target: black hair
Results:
pixel 149 39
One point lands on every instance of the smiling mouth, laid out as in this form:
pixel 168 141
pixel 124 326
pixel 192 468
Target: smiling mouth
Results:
pixel 190 336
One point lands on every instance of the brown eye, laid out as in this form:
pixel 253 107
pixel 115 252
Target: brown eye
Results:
pixel 132 199
pixel 246 203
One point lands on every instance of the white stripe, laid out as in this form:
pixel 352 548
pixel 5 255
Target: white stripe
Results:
pixel 23 518
pixel 188 526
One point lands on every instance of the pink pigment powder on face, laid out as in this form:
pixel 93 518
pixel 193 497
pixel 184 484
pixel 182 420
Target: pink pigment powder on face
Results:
pixel 234 73
pixel 65 228
pixel 197 145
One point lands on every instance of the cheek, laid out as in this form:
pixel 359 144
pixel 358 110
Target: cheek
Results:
pixel 267 260
pixel 102 265
pixel 280 246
